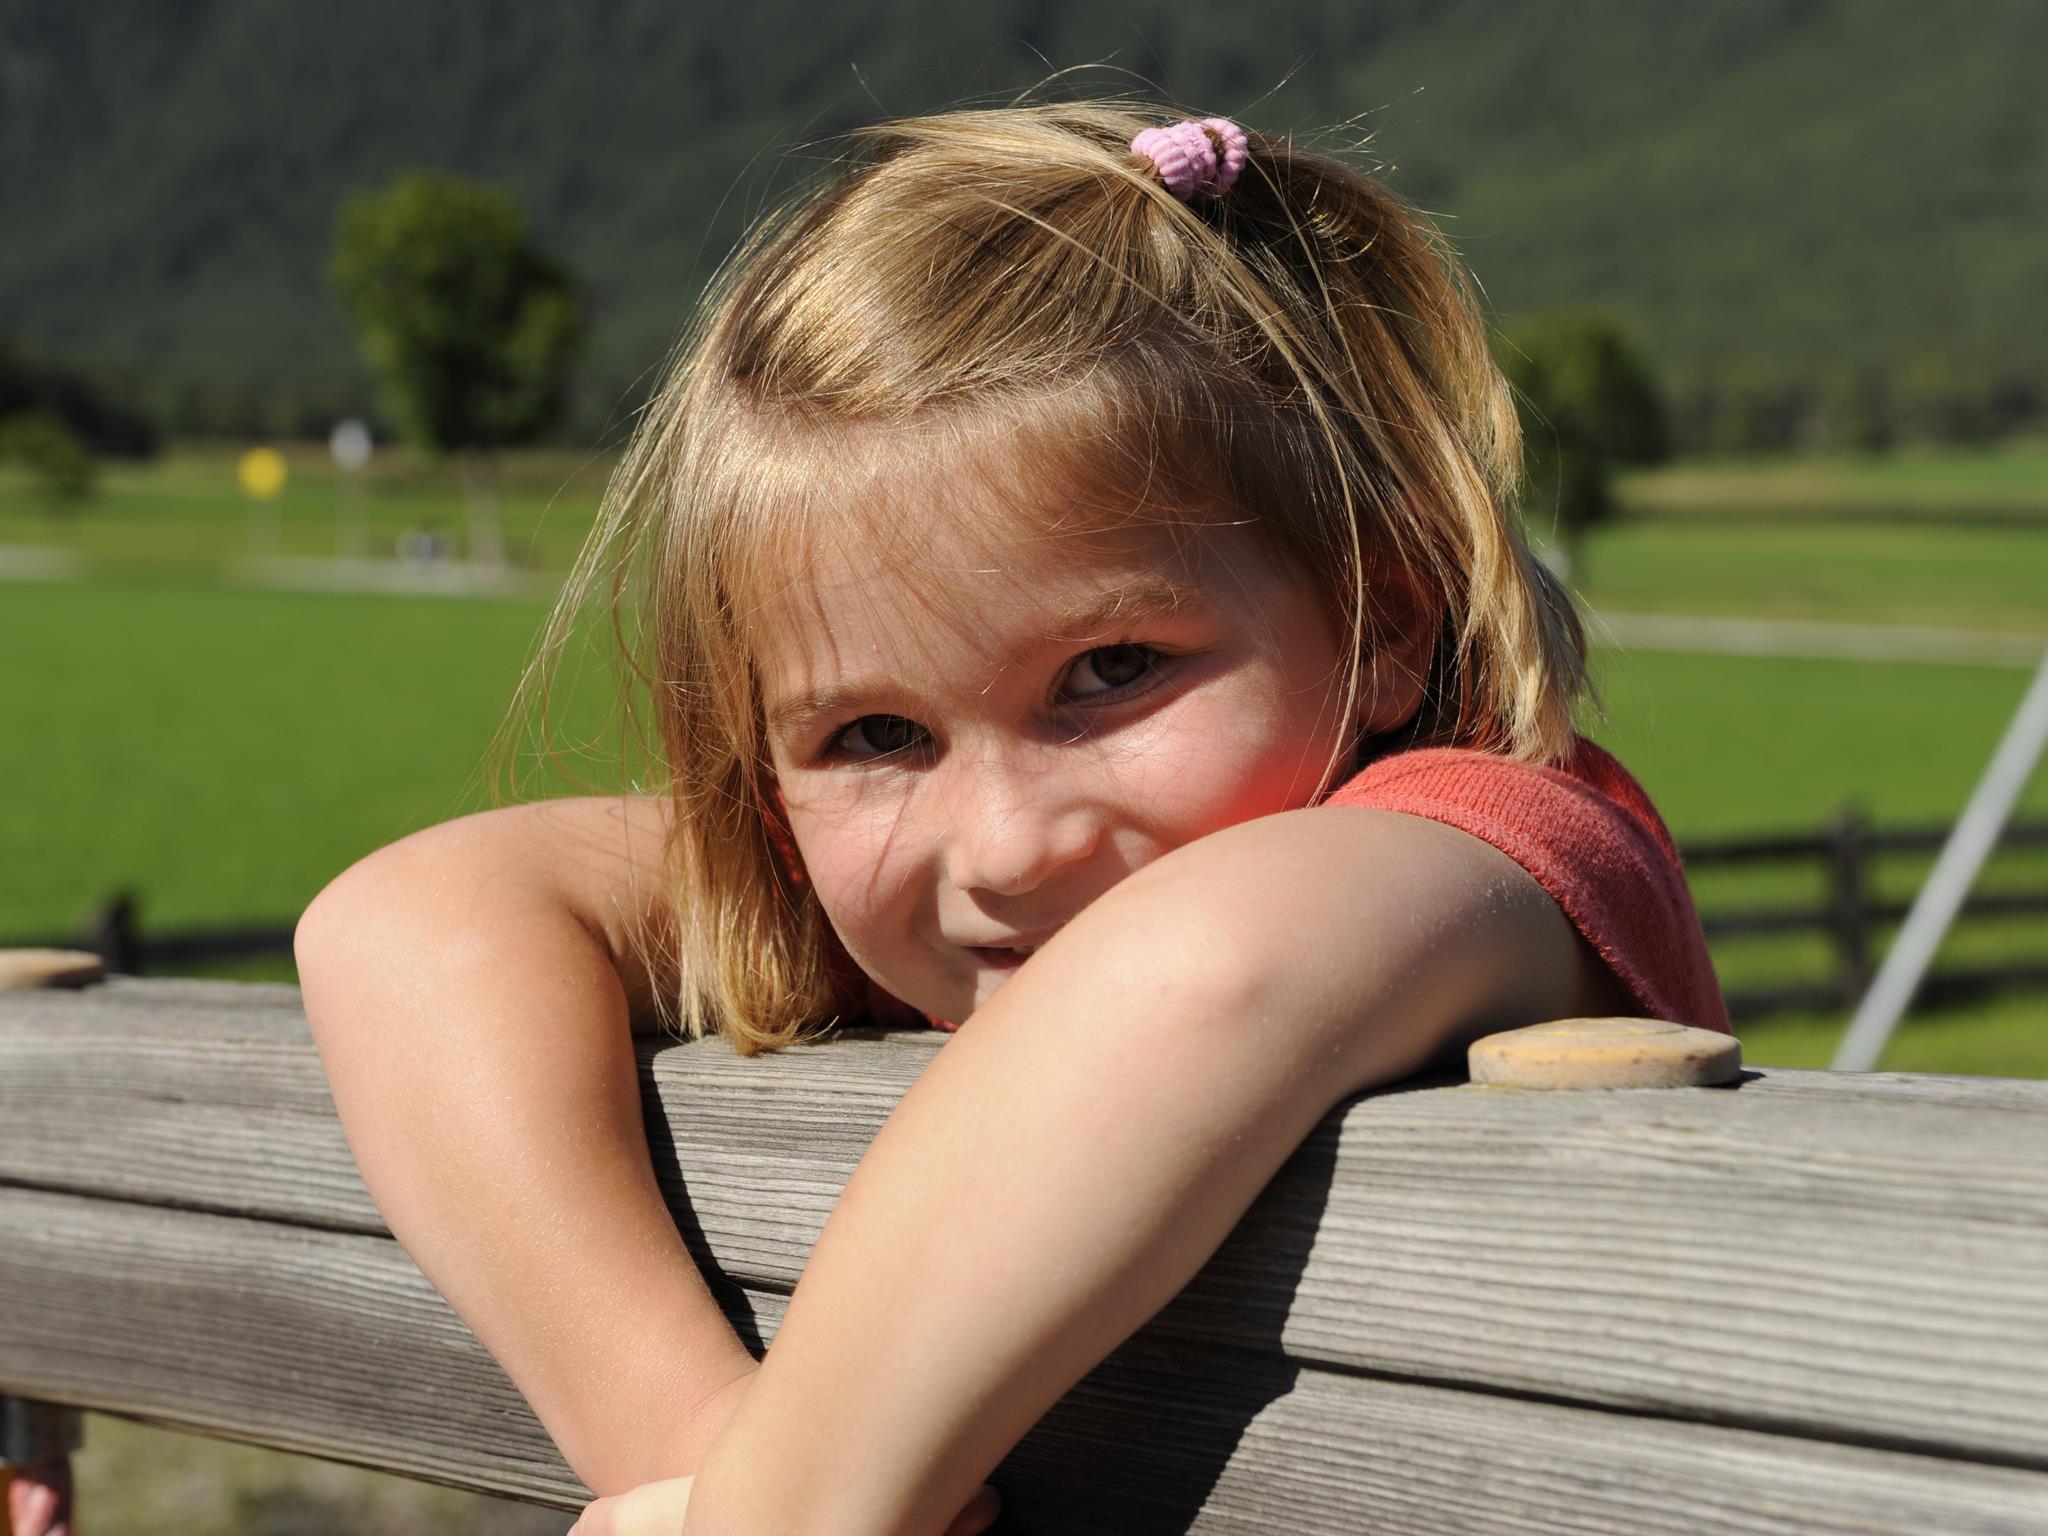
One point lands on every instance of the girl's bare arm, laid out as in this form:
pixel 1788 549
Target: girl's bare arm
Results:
pixel 472 990
pixel 1085 1143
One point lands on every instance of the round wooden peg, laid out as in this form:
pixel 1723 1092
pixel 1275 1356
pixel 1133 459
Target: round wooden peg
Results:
pixel 1606 1053
pixel 22 969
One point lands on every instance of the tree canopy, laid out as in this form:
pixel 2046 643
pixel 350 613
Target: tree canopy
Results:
pixel 469 328
pixel 1587 407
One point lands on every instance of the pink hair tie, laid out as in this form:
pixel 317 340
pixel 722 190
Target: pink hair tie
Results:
pixel 1195 159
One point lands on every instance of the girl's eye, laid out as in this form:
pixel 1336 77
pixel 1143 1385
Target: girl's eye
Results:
pixel 878 736
pixel 1108 668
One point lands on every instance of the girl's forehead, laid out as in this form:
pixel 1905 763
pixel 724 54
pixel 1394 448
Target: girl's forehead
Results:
pixel 970 592
pixel 916 512
pixel 934 531
pixel 955 562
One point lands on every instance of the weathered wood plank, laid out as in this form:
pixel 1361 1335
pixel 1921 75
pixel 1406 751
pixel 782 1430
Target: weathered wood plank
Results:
pixel 1850 1257
pixel 145 1090
pixel 325 1343
pixel 332 1344
pixel 2027 1095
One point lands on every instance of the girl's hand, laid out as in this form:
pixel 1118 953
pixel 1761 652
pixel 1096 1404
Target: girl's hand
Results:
pixel 656 1509
pixel 39 1499
pixel 652 1509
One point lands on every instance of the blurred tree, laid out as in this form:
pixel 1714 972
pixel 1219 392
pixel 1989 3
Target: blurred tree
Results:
pixel 469 328
pixel 1943 400
pixel 1850 408
pixel 32 383
pixel 59 466
pixel 1588 407
pixel 2018 401
pixel 1756 407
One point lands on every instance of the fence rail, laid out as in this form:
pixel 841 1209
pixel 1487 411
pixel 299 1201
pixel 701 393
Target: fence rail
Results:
pixel 1806 1303
pixel 1847 912
pixel 1850 915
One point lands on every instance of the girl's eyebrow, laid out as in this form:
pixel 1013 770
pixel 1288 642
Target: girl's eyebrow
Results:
pixel 786 716
pixel 1151 596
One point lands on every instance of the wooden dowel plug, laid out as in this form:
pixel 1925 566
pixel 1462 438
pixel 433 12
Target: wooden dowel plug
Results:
pixel 23 969
pixel 1605 1053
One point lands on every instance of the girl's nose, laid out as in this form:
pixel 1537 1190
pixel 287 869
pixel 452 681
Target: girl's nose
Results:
pixel 1011 832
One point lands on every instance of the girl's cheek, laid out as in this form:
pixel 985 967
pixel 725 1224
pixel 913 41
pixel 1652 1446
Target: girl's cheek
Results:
pixel 852 847
pixel 1210 773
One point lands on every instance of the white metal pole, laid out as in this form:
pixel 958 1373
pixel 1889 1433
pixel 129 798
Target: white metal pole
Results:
pixel 1962 856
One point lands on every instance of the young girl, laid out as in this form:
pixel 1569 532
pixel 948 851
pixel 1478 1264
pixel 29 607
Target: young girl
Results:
pixel 1083 607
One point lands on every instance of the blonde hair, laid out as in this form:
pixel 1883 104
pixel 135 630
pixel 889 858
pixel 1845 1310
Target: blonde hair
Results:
pixel 1304 354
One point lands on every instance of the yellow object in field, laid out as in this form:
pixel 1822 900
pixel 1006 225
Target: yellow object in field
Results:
pixel 262 473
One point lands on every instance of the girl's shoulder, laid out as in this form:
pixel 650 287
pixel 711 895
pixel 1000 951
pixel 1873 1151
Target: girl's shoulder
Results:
pixel 1590 836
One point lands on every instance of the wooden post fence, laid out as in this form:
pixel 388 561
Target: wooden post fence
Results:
pixel 1849 900
pixel 1803 1303
pixel 1849 912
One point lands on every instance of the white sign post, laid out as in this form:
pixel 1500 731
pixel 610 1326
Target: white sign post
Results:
pixel 350 444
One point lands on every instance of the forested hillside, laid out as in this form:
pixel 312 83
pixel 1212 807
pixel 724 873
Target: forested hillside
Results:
pixel 1761 190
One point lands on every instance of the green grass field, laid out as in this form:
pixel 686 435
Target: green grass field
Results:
pixel 1917 574
pixel 224 751
pixel 2006 478
pixel 222 748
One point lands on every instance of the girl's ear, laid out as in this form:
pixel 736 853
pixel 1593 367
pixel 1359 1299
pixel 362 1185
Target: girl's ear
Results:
pixel 1403 627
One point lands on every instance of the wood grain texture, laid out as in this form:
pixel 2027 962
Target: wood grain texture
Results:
pixel 331 1344
pixel 1809 1255
pixel 325 1343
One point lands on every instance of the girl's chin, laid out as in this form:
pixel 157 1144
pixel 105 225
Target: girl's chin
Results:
pixel 965 989
pixel 1002 960
pixel 990 980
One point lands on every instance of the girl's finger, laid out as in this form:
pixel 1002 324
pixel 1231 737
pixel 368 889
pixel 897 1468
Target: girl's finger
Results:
pixel 652 1509
pixel 39 1499
pixel 978 1514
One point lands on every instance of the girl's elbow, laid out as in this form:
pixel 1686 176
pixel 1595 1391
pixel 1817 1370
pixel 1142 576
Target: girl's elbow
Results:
pixel 334 949
pixel 370 926
pixel 323 931
pixel 400 902
pixel 323 927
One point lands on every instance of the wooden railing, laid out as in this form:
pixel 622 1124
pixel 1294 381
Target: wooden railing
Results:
pixel 1802 1303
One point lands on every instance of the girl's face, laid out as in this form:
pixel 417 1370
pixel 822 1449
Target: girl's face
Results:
pixel 973 745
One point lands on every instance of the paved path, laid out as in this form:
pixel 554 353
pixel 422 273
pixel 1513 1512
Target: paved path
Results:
pixel 424 578
pixel 32 562
pixel 403 578
pixel 1821 641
